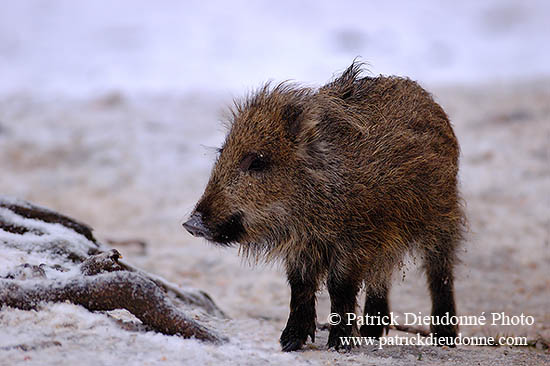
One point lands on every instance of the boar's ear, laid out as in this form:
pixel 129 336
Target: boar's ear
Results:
pixel 293 116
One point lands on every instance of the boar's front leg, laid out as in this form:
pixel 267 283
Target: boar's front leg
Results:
pixel 342 289
pixel 301 321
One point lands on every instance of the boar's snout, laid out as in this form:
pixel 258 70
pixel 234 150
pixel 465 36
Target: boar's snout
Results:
pixel 196 227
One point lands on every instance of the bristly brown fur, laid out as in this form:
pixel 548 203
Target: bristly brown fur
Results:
pixel 353 176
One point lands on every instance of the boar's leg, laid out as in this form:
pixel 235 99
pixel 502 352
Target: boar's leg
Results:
pixel 376 305
pixel 439 264
pixel 342 289
pixel 301 321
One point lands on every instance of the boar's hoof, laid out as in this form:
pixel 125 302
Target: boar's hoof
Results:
pixel 334 339
pixel 294 337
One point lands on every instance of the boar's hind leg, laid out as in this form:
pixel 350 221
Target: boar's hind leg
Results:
pixel 301 321
pixel 342 289
pixel 376 305
pixel 439 263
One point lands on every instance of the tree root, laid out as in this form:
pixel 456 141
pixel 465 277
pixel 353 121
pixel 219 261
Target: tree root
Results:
pixel 188 296
pixel 98 280
pixel 104 285
pixel 109 291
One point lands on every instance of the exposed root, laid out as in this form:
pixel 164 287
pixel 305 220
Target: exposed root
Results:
pixel 108 291
pixel 84 272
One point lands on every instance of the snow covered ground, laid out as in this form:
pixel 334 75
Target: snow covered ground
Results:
pixel 109 112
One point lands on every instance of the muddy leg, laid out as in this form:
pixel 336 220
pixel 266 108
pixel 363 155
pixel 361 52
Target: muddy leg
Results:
pixel 301 321
pixel 376 304
pixel 439 270
pixel 342 290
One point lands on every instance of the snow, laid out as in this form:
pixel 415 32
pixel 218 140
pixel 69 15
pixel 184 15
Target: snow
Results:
pixel 32 247
pixel 82 48
pixel 97 340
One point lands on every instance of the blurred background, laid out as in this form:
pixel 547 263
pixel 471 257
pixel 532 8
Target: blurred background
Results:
pixel 110 112
pixel 83 47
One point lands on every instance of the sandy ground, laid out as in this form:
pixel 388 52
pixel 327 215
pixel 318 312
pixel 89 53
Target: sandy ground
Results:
pixel 134 168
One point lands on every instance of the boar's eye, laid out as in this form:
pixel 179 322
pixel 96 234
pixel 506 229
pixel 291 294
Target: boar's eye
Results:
pixel 254 162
